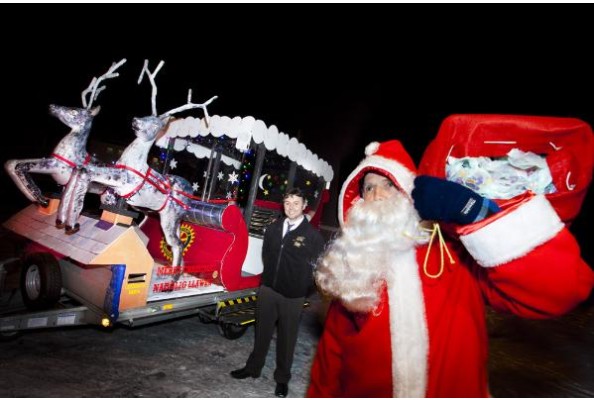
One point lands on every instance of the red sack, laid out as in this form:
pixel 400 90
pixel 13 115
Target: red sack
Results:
pixel 567 144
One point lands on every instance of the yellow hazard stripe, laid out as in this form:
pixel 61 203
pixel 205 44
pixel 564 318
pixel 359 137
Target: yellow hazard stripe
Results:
pixel 231 302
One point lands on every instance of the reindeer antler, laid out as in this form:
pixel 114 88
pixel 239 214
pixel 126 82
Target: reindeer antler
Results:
pixel 151 78
pixel 189 105
pixel 93 86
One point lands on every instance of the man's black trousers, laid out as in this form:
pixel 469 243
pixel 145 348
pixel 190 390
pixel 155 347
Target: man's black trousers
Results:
pixel 275 309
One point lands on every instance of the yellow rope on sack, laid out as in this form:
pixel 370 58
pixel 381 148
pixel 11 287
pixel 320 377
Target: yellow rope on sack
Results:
pixel 442 246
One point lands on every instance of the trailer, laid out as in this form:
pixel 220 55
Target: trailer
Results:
pixel 116 269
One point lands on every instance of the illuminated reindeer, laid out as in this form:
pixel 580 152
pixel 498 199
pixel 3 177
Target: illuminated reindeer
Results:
pixel 142 187
pixel 71 151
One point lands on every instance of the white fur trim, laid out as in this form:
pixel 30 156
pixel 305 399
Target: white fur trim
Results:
pixel 408 327
pixel 515 234
pixel 371 148
pixel 403 175
pixel 340 207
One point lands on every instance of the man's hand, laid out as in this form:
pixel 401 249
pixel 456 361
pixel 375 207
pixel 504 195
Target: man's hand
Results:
pixel 440 200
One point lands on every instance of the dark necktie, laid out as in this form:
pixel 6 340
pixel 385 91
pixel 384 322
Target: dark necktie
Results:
pixel 289 227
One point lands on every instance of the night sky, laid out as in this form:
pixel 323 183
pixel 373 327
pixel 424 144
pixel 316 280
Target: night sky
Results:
pixel 335 76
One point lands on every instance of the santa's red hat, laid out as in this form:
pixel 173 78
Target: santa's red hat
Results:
pixel 387 158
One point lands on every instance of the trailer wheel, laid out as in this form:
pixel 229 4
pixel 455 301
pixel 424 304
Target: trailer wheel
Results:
pixel 232 331
pixel 41 281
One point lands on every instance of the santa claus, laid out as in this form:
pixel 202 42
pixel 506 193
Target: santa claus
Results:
pixel 408 318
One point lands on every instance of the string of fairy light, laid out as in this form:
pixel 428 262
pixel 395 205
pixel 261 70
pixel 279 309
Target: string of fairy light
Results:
pixel 232 183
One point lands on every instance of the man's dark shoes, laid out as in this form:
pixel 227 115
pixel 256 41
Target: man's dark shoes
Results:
pixel 243 373
pixel 281 390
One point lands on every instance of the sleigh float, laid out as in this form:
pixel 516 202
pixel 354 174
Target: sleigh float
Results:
pixel 117 268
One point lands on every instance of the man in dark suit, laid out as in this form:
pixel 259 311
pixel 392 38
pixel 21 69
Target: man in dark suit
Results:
pixel 290 249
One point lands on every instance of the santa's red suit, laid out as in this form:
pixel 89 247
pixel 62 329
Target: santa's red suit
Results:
pixel 428 338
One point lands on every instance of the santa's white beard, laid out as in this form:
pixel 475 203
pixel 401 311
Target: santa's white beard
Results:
pixel 355 265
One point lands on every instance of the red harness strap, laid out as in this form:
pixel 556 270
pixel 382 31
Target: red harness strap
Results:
pixel 134 171
pixel 157 182
pixel 192 197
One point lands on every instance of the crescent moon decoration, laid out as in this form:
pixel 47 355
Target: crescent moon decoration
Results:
pixel 261 182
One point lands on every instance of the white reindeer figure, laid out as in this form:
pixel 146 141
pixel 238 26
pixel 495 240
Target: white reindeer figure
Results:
pixel 142 187
pixel 71 151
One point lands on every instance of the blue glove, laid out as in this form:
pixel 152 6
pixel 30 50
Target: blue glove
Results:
pixel 441 200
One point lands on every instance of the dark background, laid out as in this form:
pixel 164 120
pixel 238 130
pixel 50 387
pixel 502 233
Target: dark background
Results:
pixel 335 76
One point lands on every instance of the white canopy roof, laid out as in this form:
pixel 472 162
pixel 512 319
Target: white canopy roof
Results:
pixel 244 130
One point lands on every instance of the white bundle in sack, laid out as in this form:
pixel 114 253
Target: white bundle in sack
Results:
pixel 502 178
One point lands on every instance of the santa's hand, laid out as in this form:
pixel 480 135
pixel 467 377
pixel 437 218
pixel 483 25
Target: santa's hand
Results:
pixel 441 200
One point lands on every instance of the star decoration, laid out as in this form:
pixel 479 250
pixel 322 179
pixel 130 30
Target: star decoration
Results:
pixel 195 186
pixel 220 175
pixel 316 193
pixel 204 174
pixel 229 195
pixel 233 178
pixel 173 163
pixel 265 192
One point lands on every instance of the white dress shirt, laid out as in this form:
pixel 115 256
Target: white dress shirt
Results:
pixel 293 225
